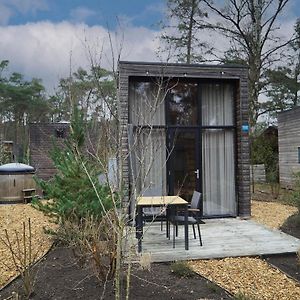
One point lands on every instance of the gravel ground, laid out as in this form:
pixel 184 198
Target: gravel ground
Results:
pixel 253 277
pixel 271 214
pixel 12 217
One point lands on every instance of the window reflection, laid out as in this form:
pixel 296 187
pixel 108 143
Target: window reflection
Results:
pixel 182 100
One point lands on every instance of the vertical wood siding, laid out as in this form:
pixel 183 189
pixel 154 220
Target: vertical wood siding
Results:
pixel 288 142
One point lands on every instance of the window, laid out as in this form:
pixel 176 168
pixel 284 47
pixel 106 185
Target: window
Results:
pixel 60 133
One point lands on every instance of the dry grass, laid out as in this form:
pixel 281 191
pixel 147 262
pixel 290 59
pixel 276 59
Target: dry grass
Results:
pixel 12 218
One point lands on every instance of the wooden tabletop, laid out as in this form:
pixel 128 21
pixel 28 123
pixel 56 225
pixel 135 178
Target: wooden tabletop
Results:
pixel 160 200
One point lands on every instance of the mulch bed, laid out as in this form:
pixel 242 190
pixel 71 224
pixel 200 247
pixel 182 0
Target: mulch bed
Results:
pixel 60 277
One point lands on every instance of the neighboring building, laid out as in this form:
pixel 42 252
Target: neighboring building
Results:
pixel 265 156
pixel 42 136
pixel 185 128
pixel 289 145
pixel 258 173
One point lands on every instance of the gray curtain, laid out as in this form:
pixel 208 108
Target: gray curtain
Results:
pixel 218 151
pixel 148 144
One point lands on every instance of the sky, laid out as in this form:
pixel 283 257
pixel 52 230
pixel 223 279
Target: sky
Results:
pixel 49 38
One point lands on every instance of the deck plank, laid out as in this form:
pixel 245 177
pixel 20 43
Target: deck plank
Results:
pixel 221 238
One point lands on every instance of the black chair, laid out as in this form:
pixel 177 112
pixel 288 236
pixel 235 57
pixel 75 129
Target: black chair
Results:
pixel 176 217
pixel 152 214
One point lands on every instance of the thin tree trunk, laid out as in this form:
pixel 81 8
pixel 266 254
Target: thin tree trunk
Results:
pixel 190 33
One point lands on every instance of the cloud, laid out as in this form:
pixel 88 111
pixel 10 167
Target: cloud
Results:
pixel 9 8
pixel 80 13
pixel 28 6
pixel 45 49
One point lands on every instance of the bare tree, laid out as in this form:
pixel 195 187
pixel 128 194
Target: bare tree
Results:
pixel 251 26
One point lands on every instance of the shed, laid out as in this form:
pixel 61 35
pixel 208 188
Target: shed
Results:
pixel 289 145
pixel 185 128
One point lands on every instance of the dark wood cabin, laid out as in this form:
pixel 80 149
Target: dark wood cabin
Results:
pixel 185 128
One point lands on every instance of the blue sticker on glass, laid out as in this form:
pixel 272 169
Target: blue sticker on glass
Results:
pixel 245 128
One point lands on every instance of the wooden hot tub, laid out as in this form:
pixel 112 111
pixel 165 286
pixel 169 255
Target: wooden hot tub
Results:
pixel 16 180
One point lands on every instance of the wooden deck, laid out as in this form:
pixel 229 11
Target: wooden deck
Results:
pixel 221 238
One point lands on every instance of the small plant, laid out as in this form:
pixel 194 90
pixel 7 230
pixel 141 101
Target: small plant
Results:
pixel 22 255
pixel 182 269
pixel 242 296
pixel 213 287
pixel 295 194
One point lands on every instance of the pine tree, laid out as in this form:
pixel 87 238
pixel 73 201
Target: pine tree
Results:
pixel 186 17
pixel 74 191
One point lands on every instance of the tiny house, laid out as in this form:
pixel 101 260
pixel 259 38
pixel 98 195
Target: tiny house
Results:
pixel 185 128
pixel 289 145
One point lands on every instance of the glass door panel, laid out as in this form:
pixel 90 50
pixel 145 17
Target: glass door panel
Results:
pixel 183 162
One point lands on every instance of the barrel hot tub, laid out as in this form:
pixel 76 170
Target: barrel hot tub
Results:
pixel 16 182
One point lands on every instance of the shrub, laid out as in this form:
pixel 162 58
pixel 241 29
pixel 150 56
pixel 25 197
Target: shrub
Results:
pixel 20 248
pixel 74 191
pixel 295 194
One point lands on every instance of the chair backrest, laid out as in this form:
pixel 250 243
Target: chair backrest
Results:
pixel 195 203
pixel 152 191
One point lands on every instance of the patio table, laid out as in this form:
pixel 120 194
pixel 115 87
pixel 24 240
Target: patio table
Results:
pixel 160 201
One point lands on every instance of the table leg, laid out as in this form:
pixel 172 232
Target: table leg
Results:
pixel 186 228
pixel 139 227
pixel 167 222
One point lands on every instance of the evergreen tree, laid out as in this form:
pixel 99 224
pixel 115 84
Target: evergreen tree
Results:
pixel 186 17
pixel 74 191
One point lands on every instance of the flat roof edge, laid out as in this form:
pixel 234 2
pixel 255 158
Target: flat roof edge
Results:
pixel 142 63
pixel 291 110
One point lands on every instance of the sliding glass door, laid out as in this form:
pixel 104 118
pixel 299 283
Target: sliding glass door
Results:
pixel 201 136
pixel 182 138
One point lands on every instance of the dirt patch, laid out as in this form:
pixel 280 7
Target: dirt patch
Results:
pixel 288 263
pixel 12 217
pixel 60 277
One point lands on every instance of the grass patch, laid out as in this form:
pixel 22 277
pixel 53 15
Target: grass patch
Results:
pixel 242 296
pixel 182 269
